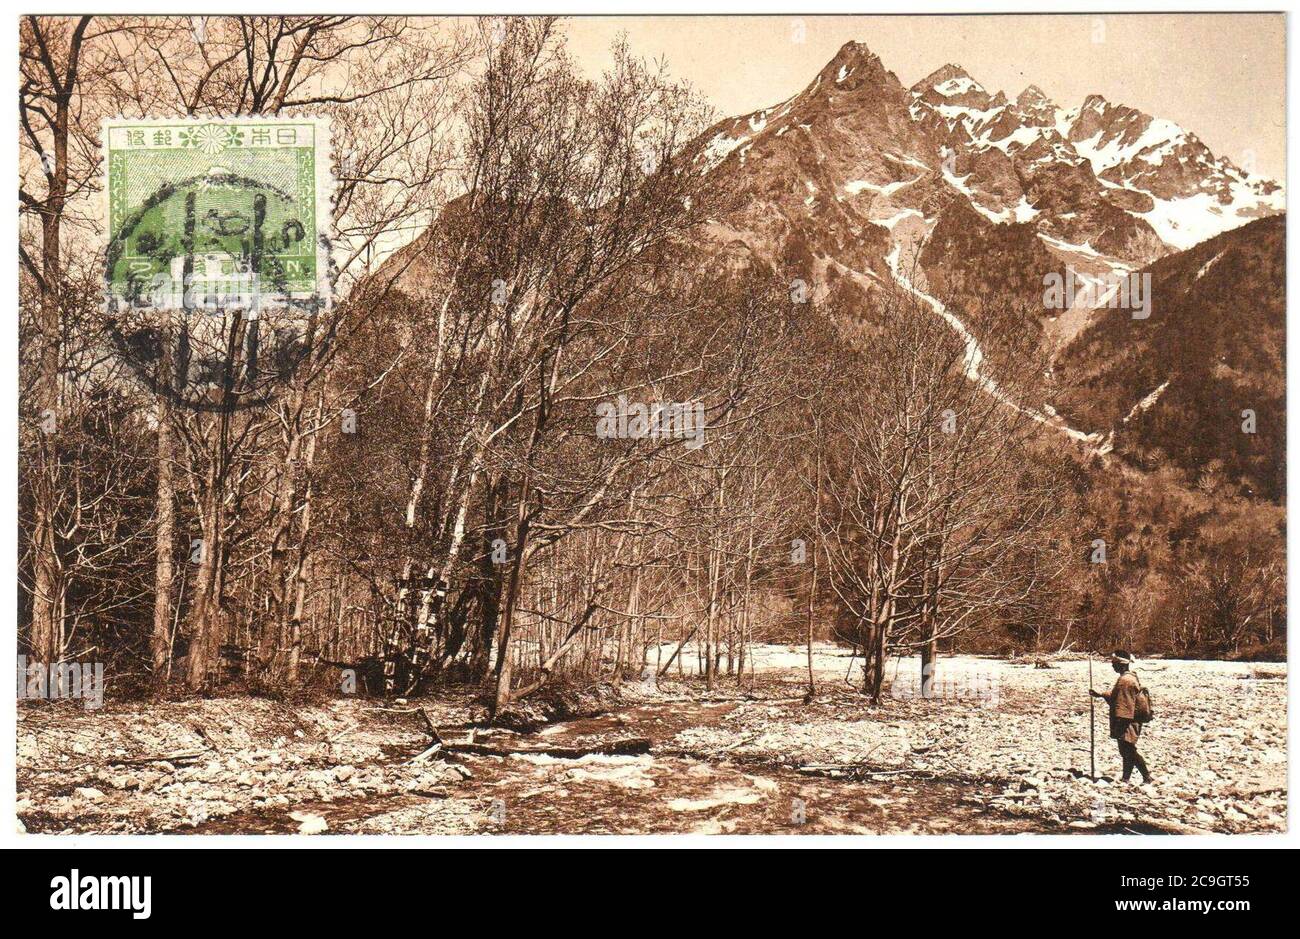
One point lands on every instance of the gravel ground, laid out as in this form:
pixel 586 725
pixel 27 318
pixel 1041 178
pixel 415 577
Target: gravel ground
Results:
pixel 179 765
pixel 1011 736
pixel 1217 747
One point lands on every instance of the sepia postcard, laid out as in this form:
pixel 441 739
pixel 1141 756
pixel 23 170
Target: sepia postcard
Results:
pixel 657 425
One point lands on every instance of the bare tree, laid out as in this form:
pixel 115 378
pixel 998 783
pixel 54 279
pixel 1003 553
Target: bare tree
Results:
pixel 934 506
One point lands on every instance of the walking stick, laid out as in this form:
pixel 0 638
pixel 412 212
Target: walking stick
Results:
pixel 1092 725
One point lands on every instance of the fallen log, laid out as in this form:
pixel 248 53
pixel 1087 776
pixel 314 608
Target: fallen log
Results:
pixel 852 770
pixel 425 754
pixel 174 758
pixel 827 769
pixel 429 726
pixel 629 746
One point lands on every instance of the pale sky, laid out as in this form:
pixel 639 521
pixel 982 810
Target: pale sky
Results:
pixel 1221 76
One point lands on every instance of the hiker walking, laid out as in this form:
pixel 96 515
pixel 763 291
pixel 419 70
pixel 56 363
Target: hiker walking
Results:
pixel 1123 701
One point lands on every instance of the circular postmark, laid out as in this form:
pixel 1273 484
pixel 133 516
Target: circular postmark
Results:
pixel 214 290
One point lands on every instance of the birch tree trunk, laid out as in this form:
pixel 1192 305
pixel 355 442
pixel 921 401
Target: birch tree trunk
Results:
pixel 165 536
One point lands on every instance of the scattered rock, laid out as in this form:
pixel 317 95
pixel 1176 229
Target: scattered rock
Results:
pixel 309 823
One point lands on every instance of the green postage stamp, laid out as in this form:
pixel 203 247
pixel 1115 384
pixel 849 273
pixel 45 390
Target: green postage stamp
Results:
pixel 222 214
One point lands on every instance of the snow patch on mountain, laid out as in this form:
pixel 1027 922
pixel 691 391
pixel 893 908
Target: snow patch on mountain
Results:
pixel 958 85
pixel 1189 221
pixel 973 359
pixel 1146 403
pixel 892 220
pixel 960 184
pixel 855 186
pixel 1208 264
pixel 1152 145
pixel 1186 222
pixel 717 150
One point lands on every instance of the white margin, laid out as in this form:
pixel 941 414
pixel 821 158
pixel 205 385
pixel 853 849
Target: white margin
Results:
pixel 10 838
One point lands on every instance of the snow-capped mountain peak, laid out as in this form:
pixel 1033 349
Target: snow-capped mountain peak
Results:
pixel 856 158
pixel 952 85
pixel 1195 194
pixel 852 67
pixel 1034 108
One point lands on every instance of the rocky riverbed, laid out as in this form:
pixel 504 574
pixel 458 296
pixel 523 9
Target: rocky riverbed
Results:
pixel 1217 748
pixel 1001 747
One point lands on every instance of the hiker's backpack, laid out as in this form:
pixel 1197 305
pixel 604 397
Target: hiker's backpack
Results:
pixel 1142 711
